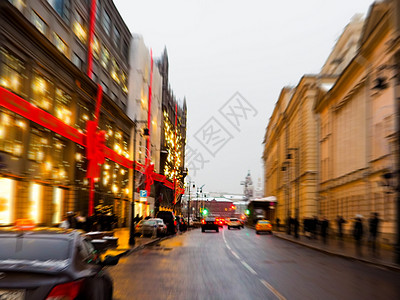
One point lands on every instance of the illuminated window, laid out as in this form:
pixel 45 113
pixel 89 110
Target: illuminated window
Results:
pixel 105 57
pixel 80 28
pixel 60 44
pixel 58 197
pixel 62 7
pixel 20 4
pixel 58 152
pixel 35 202
pixel 39 23
pixel 12 72
pixel 37 146
pixel 106 22
pixel 124 83
pixel 115 71
pixel 11 133
pixel 7 188
pixel 42 89
pixel 63 106
pixel 96 47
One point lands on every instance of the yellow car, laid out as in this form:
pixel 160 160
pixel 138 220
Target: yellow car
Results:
pixel 263 226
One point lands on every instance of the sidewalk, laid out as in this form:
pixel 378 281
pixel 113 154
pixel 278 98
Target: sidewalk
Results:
pixel 346 249
pixel 123 242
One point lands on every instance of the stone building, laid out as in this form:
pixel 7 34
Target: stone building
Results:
pixel 291 141
pixel 357 138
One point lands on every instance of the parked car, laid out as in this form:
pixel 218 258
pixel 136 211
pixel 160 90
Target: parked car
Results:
pixel 139 227
pixel 234 223
pixel 52 263
pixel 169 220
pixel 182 223
pixel 154 227
pixel 209 223
pixel 263 226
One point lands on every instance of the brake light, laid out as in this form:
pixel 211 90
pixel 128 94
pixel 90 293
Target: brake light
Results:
pixel 203 221
pixel 67 291
pixel 175 223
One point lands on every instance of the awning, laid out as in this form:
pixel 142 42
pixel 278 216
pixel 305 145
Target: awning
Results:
pixel 265 199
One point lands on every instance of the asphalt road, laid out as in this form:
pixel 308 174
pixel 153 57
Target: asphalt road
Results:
pixel 238 264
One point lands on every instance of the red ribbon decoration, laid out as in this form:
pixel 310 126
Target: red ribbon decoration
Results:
pixel 149 171
pixel 95 143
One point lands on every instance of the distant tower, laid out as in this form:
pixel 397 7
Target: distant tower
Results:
pixel 248 189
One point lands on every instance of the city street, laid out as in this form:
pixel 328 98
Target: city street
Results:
pixel 238 264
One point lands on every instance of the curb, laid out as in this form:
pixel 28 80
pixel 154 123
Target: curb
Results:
pixel 326 251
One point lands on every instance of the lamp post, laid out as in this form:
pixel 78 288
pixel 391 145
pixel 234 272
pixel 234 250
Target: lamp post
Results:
pixel 190 187
pixel 132 225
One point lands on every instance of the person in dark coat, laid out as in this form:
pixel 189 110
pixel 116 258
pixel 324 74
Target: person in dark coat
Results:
pixel 373 231
pixel 296 225
pixel 358 233
pixel 324 229
pixel 340 221
pixel 278 223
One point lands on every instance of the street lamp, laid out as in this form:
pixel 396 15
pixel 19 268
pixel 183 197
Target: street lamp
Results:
pixel 190 187
pixel 132 225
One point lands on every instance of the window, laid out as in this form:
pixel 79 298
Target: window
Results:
pixel 105 57
pixel 125 51
pixel 62 7
pixel 80 28
pixel 95 47
pixel 11 72
pixel 11 133
pixel 105 87
pixel 117 37
pixel 19 4
pixel 37 146
pixel 42 89
pixel 124 83
pixel 106 23
pixel 63 106
pixel 60 44
pixel 115 71
pixel 39 23
pixel 77 61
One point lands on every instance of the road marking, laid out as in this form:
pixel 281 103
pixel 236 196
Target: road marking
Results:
pixel 271 288
pixel 265 283
pixel 237 256
pixel 248 267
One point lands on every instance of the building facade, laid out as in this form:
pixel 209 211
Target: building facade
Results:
pixel 357 141
pixel 46 100
pixel 291 152
pixel 173 143
pixel 144 78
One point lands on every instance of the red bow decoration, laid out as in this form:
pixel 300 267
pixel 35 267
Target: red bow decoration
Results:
pixel 95 143
pixel 148 172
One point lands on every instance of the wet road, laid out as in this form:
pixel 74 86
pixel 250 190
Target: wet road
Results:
pixel 238 264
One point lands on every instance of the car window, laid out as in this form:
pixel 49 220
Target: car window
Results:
pixel 31 253
pixel 263 222
pixel 234 220
pixel 151 222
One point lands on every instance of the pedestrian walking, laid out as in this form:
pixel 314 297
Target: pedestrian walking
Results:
pixel 358 233
pixel 296 227
pixel 324 229
pixel 373 232
pixel 340 221
pixel 278 221
pixel 314 227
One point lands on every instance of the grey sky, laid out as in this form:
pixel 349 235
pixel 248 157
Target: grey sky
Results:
pixel 217 48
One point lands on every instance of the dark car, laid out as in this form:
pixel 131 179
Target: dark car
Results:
pixel 52 263
pixel 183 226
pixel 154 227
pixel 209 223
pixel 169 220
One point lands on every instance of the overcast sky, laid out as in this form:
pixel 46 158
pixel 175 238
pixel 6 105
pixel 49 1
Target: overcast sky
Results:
pixel 230 59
